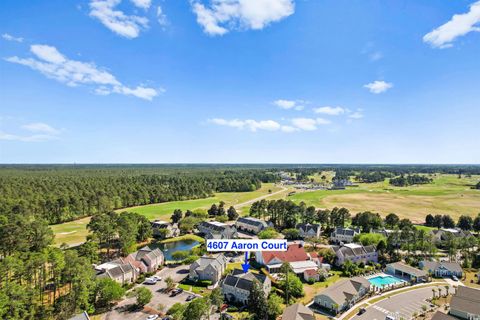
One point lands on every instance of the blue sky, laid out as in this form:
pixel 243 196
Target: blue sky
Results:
pixel 278 81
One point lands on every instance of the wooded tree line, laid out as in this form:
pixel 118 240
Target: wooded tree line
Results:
pixel 464 222
pixel 62 194
pixel 39 281
pixel 409 180
pixel 477 186
pixel 373 176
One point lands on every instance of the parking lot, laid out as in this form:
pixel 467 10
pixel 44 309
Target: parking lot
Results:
pixel 403 305
pixel 121 311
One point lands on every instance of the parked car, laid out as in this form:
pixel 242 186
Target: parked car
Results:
pixel 454 278
pixel 176 292
pixel 152 317
pixel 150 280
pixel 389 318
pixel 362 311
pixel 191 297
pixel 157 278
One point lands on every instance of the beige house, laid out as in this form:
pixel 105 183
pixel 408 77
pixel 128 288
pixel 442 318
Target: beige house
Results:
pixel 343 294
pixel 355 253
pixel 465 304
pixel 237 286
pixel 119 271
pixel 250 225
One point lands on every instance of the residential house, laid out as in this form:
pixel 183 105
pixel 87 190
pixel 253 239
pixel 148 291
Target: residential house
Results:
pixel 297 311
pixel 356 253
pixel 236 286
pixel 146 259
pixel 343 294
pixel 465 303
pixel 344 235
pixel 217 230
pixel 164 229
pixel 402 270
pixel 308 230
pixel 250 225
pixel 81 316
pixel 119 271
pixel 444 233
pixel 296 255
pixel 208 267
pixel 442 269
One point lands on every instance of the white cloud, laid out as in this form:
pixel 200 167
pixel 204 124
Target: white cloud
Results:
pixel 128 26
pixel 378 86
pixel 9 37
pixel 252 125
pixel 289 104
pixel 332 111
pixel 288 129
pixel 222 16
pixel 142 4
pixel 356 115
pixel 161 17
pixel 40 132
pixel 308 124
pixel 54 65
pixel 41 128
pixel 459 25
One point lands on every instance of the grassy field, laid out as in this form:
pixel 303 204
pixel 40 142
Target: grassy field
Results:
pixel 75 232
pixel 446 195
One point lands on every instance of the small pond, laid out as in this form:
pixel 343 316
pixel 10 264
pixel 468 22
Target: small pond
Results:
pixel 181 245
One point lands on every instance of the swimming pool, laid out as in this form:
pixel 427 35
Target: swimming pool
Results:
pixel 384 280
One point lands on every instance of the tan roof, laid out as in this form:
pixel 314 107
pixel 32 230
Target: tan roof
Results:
pixel 298 311
pixel 342 291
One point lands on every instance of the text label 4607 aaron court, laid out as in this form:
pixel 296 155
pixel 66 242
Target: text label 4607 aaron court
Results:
pixel 246 245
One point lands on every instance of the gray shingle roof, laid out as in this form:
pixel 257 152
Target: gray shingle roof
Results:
pixel 466 300
pixel 243 280
pixel 252 221
pixel 434 265
pixel 298 311
pixel 344 290
pixel 408 269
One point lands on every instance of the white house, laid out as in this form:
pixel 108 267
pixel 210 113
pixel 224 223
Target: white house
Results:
pixel 250 225
pixel 355 253
pixel 343 235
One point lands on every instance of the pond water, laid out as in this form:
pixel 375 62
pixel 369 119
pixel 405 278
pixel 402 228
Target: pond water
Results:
pixel 182 245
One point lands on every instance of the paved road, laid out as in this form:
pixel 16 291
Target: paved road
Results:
pixel 401 305
pixel 121 311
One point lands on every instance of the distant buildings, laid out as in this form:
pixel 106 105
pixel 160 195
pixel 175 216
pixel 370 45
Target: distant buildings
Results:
pixel 217 230
pixel 465 303
pixel 343 235
pixel 443 234
pixel 355 253
pixel 403 270
pixel 343 294
pixel 442 269
pixel 308 230
pixel 250 225
pixel 236 286
pixel 208 267
pixel 297 311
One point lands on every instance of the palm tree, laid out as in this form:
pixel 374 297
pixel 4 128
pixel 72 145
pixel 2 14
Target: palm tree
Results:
pixel 446 289
pixel 433 293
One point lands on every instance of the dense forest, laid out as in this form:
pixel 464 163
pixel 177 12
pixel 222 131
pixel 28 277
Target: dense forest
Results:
pixel 59 194
pixel 373 176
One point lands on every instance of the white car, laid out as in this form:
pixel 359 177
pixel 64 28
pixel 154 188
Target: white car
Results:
pixel 157 278
pixel 150 281
pixel 152 317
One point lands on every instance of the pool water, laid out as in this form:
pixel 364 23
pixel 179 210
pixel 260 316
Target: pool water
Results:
pixel 382 281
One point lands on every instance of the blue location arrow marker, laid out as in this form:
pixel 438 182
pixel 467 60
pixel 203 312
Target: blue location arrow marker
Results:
pixel 246 265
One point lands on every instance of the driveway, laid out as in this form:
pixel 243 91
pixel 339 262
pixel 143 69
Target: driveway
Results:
pixel 403 305
pixel 123 312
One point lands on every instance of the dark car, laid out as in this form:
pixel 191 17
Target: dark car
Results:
pixel 191 297
pixel 362 311
pixel 176 292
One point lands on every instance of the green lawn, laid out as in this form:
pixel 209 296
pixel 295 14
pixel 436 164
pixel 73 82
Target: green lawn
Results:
pixel 75 232
pixel 446 195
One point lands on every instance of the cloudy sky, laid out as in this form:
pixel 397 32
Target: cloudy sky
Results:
pixel 278 81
